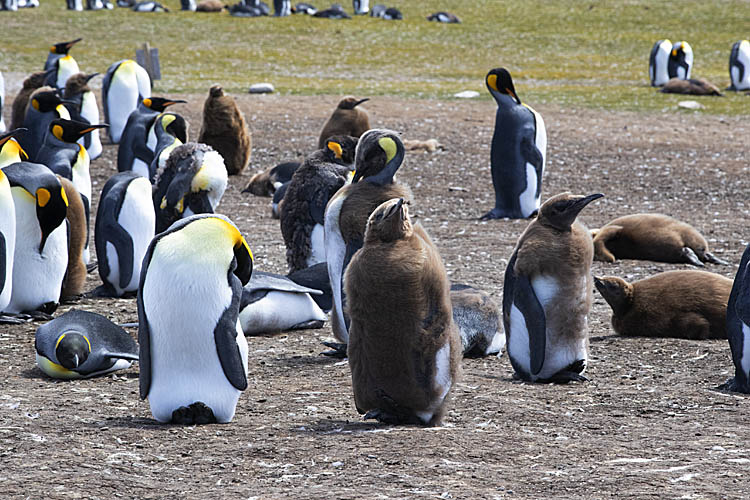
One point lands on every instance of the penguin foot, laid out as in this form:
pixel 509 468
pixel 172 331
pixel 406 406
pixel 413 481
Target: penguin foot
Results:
pixel 91 267
pixel 195 414
pixel 309 325
pixel 493 214
pixel 47 308
pixel 101 291
pixel 690 257
pixel 565 376
pixel 732 385
pixel 385 417
pixel 338 350
pixel 715 260
pixel 14 319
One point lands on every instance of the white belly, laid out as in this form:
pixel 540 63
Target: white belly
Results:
pixel 122 100
pixel 442 382
pixel 8 232
pixel 317 246
pixel 90 112
pixel 141 168
pixel 279 311
pixel 335 253
pixel 745 361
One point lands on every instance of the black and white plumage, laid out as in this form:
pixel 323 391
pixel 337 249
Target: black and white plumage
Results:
pixel 125 84
pixel 149 6
pixel 738 327
pixel 361 7
pixel 444 17
pixel 45 105
pixel 282 8
pixel 171 131
pixel 739 66
pixel 81 104
pixel 335 11
pixel 305 8
pixel 658 61
pixel 680 61
pixel 316 277
pixel 7 236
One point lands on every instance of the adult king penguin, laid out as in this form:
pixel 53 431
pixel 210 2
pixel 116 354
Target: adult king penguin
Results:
pixel 361 7
pixel 658 61
pixel 518 153
pixel 738 327
pixel 739 66
pixel 7 234
pixel 61 64
pixel 193 354
pixel 171 131
pixel 82 107
pixel 44 107
pixel 125 85
pixel 547 294
pixel 680 61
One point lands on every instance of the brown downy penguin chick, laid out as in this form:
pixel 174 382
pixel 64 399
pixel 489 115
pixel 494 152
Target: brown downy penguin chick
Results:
pixel 654 237
pixel 30 84
pixel 547 294
pixel 302 213
pixel 404 348
pixel 428 146
pixel 75 276
pixel 347 119
pixel 677 304
pixel 267 182
pixel 209 6
pixel 698 86
pixel 478 319
pixel 225 130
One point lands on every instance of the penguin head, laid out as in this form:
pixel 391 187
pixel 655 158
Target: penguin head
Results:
pixel 616 291
pixel 63 47
pixel 36 80
pixel 680 50
pixel 340 149
pixel 175 125
pixel 160 103
pixel 70 130
pixel 77 84
pixel 500 85
pixel 378 156
pixel 46 101
pixel 10 150
pixel 350 102
pixel 216 91
pixel 561 210
pixel 72 349
pixel 389 222
pixel 51 208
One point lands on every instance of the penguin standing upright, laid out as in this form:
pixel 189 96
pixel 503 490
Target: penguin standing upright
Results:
pixel 738 327
pixel 739 66
pixel 125 223
pixel 75 274
pixel 224 129
pixel 82 107
pixel 658 61
pixel 347 119
pixel 404 348
pixel 378 156
pixel 30 84
pixel 60 64
pixel 7 235
pixel 313 184
pixel 41 250
pixel 547 294
pixel 44 107
pixel 171 130
pixel 193 354
pixel 282 8
pixel 680 61
pixel 361 7
pixel 125 85
pixel 518 153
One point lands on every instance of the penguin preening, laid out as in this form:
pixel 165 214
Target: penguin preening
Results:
pixel 654 237
pixel 60 63
pixel 81 104
pixel 302 214
pixel 171 130
pixel 478 320
pixel 44 106
pixel 738 327
pixel 125 84
pixel 192 182
pixel 347 119
pixel 518 153
pixel 75 274
pixel 30 84
pixel 739 66
pixel 404 348
pixel 547 294
pixel 125 225
pixel 193 354
pixel 444 17
pixel 7 235
pixel 658 61
pixel 267 182
pixel 82 344
pixel 692 86
pixel 676 304
pixel 680 61
pixel 224 129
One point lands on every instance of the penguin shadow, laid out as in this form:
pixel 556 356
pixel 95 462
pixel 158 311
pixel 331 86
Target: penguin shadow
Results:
pixel 333 426
pixel 297 361
pixel 37 374
pixel 133 422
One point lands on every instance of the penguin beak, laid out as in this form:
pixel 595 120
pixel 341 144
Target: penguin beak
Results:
pixel 169 103
pixel 71 43
pixel 92 75
pixel 579 204
pixel 360 102
pixel 396 208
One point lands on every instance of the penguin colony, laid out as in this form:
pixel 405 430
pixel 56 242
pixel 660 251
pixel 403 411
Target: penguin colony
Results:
pixel 398 319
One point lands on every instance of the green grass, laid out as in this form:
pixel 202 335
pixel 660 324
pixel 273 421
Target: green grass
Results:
pixel 572 53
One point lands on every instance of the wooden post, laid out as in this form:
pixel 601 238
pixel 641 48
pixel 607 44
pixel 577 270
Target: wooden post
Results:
pixel 149 59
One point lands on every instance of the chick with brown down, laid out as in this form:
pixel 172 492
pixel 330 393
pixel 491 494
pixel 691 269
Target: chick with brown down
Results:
pixel 225 130
pixel 75 276
pixel 347 119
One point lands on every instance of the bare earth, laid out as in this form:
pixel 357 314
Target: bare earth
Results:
pixel 649 424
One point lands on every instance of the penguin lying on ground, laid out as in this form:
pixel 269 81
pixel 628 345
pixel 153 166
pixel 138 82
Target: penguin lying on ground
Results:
pixel 125 85
pixel 149 6
pixel 654 237
pixel 82 344
pixel 209 6
pixel 387 13
pixel 547 294
pixel 693 86
pixel 30 84
pixel 478 320
pixel 224 129
pixel 304 8
pixel 75 274
pixel 81 104
pixel 444 17
pixel 677 304
pixel 347 119
pixel 404 348
pixel 739 66
pixel 267 182
pixel 171 130
pixel 44 106
pixel 315 277
pixel 241 9
pixel 61 64
pixel 680 61
pixel 335 11
pixel 738 327
pixel 658 61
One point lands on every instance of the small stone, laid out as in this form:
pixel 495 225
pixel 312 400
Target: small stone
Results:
pixel 467 94
pixel 261 88
pixel 690 104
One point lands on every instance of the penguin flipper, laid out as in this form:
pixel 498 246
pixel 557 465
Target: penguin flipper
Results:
pixel 144 332
pixel 143 153
pixel 3 252
pixel 691 257
pixel 532 155
pixel 111 231
pixel 225 336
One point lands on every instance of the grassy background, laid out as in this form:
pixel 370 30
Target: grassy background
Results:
pixel 571 53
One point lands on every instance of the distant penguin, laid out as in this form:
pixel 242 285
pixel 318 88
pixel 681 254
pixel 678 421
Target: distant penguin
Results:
pixel 282 8
pixel 654 237
pixel 739 66
pixel 658 61
pixel 242 9
pixel 276 201
pixel 82 344
pixel 361 7
pixel 7 236
pixel 315 277
pixel 133 151
pixel 30 84
pixel 171 130
pixel 99 5
pixel 125 224
pixel 41 250
pixel 378 156
pixel 304 8
pixel 392 14
pixel 60 63
pixel 444 17
pixel 738 327
pixel 676 304
pixel 81 104
pixel 74 5
pixel 125 85
pixel 267 182
pixel 478 319
pixel 404 348
pixel 149 6
pixel 193 354
pixel 692 86
pixel 547 294
pixel 518 152
pixel 302 215
pixel 347 119
pixel 44 106
pixel 187 5
pixel 9 5
pixel 680 61
pixel 75 275
pixel 192 182
pixel 378 10
pixel 209 6
pixel 10 150
pixel 224 129
pixel 3 127
pixel 335 11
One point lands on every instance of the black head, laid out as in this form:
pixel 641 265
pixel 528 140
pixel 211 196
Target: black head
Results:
pixel 51 209
pixel 70 130
pixel 561 210
pixel 63 47
pixel 175 125
pixel 379 154
pixel 72 350
pixel 6 139
pixel 351 102
pixel 340 149
pixel 46 101
pixel 160 103
pixel 500 84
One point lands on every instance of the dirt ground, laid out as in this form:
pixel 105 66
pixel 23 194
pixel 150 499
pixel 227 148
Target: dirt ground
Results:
pixel 649 424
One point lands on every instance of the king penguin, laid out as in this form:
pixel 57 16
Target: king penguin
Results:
pixel 547 294
pixel 41 250
pixel 30 84
pixel 347 119
pixel 125 222
pixel 282 8
pixel 7 234
pixel 518 153
pixel 224 129
pixel 739 66
pixel 378 156
pixel 61 63
pixel 658 61
pixel 680 61
pixel 44 106
pixel 313 184
pixel 404 348
pixel 82 107
pixel 738 327
pixel 125 85
pixel 171 130
pixel 82 344
pixel 10 151
pixel 193 354
pixel 75 217
pixel 361 7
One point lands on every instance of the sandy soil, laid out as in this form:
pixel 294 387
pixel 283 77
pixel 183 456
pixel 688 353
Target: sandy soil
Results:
pixel 649 424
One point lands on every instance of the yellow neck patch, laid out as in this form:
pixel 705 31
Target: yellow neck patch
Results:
pixel 336 148
pixel 166 120
pixel 63 336
pixel 65 200
pixel 492 82
pixel 42 197
pixel 389 146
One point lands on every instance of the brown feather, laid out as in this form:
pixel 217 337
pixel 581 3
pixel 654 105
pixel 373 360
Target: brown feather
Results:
pixel 75 276
pixel 225 130
pixel 345 120
pixel 33 82
pixel 698 86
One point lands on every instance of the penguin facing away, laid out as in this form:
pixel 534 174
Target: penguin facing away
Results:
pixel 658 61
pixel 82 344
pixel 125 84
pixel 60 65
pixel 404 348
pixel 82 107
pixel 125 223
pixel 738 327
pixel 739 66
pixel 224 129
pixel 680 61
pixel 75 275
pixel 547 294
pixel 44 106
pixel 171 130
pixel 518 153
pixel 30 84
pixel 347 119
pixel 7 237
pixel 193 354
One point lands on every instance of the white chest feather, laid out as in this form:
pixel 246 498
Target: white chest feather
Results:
pixel 122 99
pixel 529 199
pixel 8 232
pixel 279 311
pixel 335 254
pixel 90 112
pixel 317 246
pixel 745 361
pixel 442 382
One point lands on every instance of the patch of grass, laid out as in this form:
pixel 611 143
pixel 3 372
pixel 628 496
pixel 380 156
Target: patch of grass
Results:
pixel 592 54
